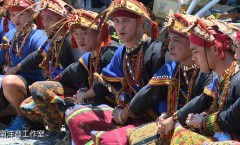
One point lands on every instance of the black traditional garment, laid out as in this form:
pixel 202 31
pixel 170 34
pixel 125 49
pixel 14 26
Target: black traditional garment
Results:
pixel 144 60
pixel 78 72
pixel 52 96
pixel 222 99
pixel 165 85
pixel 64 59
pixel 172 86
pixel 129 70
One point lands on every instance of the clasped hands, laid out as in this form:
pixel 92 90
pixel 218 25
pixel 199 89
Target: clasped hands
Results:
pixel 195 120
pixel 165 125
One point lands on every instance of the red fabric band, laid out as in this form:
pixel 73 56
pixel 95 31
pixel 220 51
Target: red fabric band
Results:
pixel 238 36
pixel 124 13
pixel 199 41
pixel 15 9
pixel 48 12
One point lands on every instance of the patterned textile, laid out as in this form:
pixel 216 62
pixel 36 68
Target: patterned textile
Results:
pixel 30 110
pixel 118 136
pixel 230 142
pixel 88 118
pixel 83 119
pixel 144 134
pixel 46 103
pixel 183 136
pixel 210 122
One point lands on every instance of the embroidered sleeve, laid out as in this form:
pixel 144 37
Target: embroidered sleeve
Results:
pixel 210 122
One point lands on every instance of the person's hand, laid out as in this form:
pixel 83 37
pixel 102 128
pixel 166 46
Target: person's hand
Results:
pixel 120 115
pixel 195 120
pixel 162 117
pixel 79 96
pixel 9 70
pixel 166 125
pixel 161 128
pixel 116 115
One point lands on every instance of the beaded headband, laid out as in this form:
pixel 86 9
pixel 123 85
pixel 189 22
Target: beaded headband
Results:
pixel 60 8
pixel 206 28
pixel 27 4
pixel 56 6
pixel 215 32
pixel 83 18
pixel 21 5
pixel 128 5
pixel 179 23
pixel 238 36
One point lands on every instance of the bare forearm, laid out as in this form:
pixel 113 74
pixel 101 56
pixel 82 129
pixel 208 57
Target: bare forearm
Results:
pixel 124 114
pixel 88 94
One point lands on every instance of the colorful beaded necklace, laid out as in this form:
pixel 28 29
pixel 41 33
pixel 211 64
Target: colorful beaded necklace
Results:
pixel 222 89
pixel 94 62
pixel 54 53
pixel 127 62
pixel 185 69
pixel 25 32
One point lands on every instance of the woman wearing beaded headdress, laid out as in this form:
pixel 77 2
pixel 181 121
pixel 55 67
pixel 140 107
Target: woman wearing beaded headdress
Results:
pixel 20 42
pixel 173 85
pixel 54 94
pixel 130 69
pixel 216 111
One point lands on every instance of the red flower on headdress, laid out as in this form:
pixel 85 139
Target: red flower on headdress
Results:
pixel 64 12
pixel 43 4
pixel 74 17
pixel 119 1
pixel 238 36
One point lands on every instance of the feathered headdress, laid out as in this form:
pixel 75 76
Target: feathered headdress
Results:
pixel 83 18
pixel 57 7
pixel 208 32
pixel 20 5
pixel 180 23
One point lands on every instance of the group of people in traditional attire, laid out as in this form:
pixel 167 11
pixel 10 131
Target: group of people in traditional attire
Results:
pixel 61 67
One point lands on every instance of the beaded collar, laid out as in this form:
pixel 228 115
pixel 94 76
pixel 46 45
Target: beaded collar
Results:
pixel 23 33
pixel 136 46
pixel 224 76
pixel 189 84
pixel 139 45
pixel 58 39
pixel 55 51
pixel 94 54
pixel 188 68
pixel 94 62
